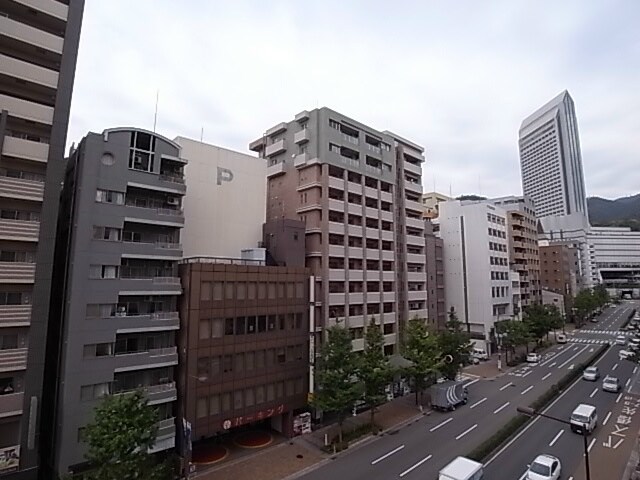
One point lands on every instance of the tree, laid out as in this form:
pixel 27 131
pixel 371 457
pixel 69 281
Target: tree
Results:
pixel 455 345
pixel 537 320
pixel 585 304
pixel 338 389
pixel 601 296
pixel 556 321
pixel 373 370
pixel 119 438
pixel 421 349
pixel 515 334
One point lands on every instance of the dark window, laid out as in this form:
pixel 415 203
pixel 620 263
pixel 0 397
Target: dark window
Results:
pixel 262 323
pixel 240 325
pixel 228 326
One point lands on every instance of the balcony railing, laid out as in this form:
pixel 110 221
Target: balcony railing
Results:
pixel 17 272
pixel 350 139
pixel 23 230
pixel 11 404
pixel 15 315
pixel 13 359
pixel 165 177
pixel 10 458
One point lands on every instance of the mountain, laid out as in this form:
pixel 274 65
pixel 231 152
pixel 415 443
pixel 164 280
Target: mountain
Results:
pixel 623 212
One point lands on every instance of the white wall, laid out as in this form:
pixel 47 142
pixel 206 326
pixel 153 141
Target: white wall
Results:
pixel 225 203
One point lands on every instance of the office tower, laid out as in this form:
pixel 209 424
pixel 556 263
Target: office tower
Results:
pixel 435 277
pixel 524 256
pixel 550 159
pixel 38 50
pixel 476 266
pixel 121 219
pixel 358 192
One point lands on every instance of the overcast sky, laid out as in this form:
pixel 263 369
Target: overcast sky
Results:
pixel 456 77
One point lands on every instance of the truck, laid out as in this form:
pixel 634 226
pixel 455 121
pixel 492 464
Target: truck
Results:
pixel 462 468
pixel 448 395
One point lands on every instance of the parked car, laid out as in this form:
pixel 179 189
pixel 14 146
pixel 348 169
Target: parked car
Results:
pixel 533 357
pixel 611 384
pixel 448 395
pixel 584 417
pixel 621 340
pixel 591 374
pixel 462 468
pixel 562 338
pixel 634 344
pixel 544 467
pixel 625 354
pixel 480 354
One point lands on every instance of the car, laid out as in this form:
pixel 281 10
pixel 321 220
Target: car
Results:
pixel 611 384
pixel 480 354
pixel 621 340
pixel 591 374
pixel 544 467
pixel 584 417
pixel 533 357
pixel 634 343
pixel 626 354
pixel 562 338
pixel 594 320
pixel 631 327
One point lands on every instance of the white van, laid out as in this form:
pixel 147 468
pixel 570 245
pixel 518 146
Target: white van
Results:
pixel 584 417
pixel 462 469
pixel 480 354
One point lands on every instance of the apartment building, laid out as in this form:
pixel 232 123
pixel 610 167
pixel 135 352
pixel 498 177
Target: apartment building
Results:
pixel 560 271
pixel 476 264
pixel 437 308
pixel 524 256
pixel 38 51
pixel 430 202
pixel 121 218
pixel 358 190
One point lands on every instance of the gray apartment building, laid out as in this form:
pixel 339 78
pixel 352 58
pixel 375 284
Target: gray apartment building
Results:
pixel 358 190
pixel 436 307
pixel 121 218
pixel 38 51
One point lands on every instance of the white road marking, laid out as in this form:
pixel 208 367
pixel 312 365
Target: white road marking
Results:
pixel 628 382
pixel 614 367
pixel 526 390
pixel 395 450
pixel 471 382
pixel 553 365
pixel 572 357
pixel 619 397
pixel 470 429
pixel 478 402
pixel 595 390
pixel 506 386
pixel 416 465
pixel 527 373
pixel 524 475
pixel 570 478
pixel 441 424
pixel 593 442
pixel 499 409
pixel 635 369
pixel 606 419
pixel 555 439
pixel 546 376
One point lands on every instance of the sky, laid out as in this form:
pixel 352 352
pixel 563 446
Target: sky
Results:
pixel 456 77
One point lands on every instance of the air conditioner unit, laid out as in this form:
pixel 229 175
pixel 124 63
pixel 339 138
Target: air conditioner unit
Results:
pixel 173 201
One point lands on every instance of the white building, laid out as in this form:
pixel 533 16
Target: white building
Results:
pixel 225 204
pixel 476 264
pixel 615 255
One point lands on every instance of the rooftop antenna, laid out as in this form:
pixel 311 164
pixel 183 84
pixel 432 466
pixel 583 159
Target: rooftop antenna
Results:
pixel 155 115
pixel 201 134
pixel 434 183
pixel 450 194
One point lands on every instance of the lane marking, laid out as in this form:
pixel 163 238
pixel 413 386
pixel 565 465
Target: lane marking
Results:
pixel 471 382
pixel 606 419
pixel 395 450
pixel 595 390
pixel 416 465
pixel 555 439
pixel 619 397
pixel 526 390
pixel 470 429
pixel 546 376
pixel 570 478
pixel 441 424
pixel 553 365
pixel 530 371
pixel 499 409
pixel 635 369
pixel 628 382
pixel 506 386
pixel 614 367
pixel 478 402
pixel 593 442
pixel 572 357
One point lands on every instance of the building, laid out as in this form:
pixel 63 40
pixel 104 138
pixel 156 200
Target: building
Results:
pixel 244 344
pixel 516 294
pixel 227 190
pixel 555 299
pixel 121 218
pixel 38 50
pixel 358 190
pixel 436 305
pixel 550 159
pixel 431 201
pixel 560 271
pixel 476 265
pixel 524 256
pixel 615 253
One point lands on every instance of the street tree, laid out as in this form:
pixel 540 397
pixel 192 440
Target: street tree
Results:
pixel 421 349
pixel 123 430
pixel 338 388
pixel 537 320
pixel 601 296
pixel 584 303
pixel 453 344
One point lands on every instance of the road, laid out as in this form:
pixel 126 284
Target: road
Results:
pixel 421 449
pixel 546 436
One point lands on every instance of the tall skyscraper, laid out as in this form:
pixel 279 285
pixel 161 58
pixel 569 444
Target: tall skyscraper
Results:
pixel 38 50
pixel 550 159
pixel 358 190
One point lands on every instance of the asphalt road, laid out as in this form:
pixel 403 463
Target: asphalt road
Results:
pixel 547 436
pixel 420 450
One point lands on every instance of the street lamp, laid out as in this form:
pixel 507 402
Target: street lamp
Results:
pixel 585 434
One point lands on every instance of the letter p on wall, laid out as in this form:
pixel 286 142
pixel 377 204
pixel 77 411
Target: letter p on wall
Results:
pixel 224 175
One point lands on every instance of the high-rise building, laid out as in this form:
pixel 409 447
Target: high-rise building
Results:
pixel 38 50
pixel 435 277
pixel 550 159
pixel 358 190
pixel 119 248
pixel 560 271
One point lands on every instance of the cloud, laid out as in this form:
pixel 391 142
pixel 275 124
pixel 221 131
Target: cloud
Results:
pixel 456 77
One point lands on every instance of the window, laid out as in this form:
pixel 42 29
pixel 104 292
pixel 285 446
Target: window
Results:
pixel 271 392
pixel 97 350
pixel 228 326
pixel 217 290
pixel 228 290
pixel 271 323
pixel 215 366
pixel 15 298
pixel 262 291
pixel 262 323
pixel 201 407
pixel 226 402
pixel 227 364
pixel 241 291
pixel 271 290
pixel 249 359
pixel 204 330
pixel 141 151
pixel 239 367
pixel 237 400
pixel 214 405
pixel 103 271
pixel 8 342
pixel 109 196
pixel 259 359
pixel 259 394
pixel 205 291
pixel 92 392
pixel 281 355
pixel 251 291
pixel 270 356
pixel 280 290
pixel 299 290
pixel 107 233
pixel 202 366
pixel 251 324
pixel 241 325
pixel 281 322
pixel 289 290
pixel 217 328
pixel 299 385
pixel 249 399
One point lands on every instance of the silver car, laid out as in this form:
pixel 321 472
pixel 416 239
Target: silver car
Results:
pixel 611 384
pixel 591 374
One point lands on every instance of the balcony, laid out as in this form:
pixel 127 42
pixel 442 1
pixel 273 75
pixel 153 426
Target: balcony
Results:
pixel 29 72
pixel 417 296
pixel 304 160
pixel 139 323
pixel 281 127
pixel 413 205
pixel 372 212
pixel 34 36
pixel 15 315
pixel 372 232
pixel 386 235
pixel 389 317
pixel 413 168
pixel 12 456
pixel 152 215
pixel 145 285
pixel 337 298
pixel 373 254
pixel 416 276
pixel 335 227
pixel 356 321
pixel 336 250
pixel 164 249
pixel 357 344
pixel 388 276
pixel 156 394
pixel 354 230
pixel 20 230
pixel 275 148
pixel 303 136
pixel 416 258
pixel 336 275
pixel 388 255
pixel 355 252
pixel 336 205
pixel 413 187
pixel 276 169
pixel 30 111
pixel 16 272
pixel 415 240
pixel 25 149
pixel 355 298
pixel 157 357
pixel 354 208
pixel 386 216
pixel 388 296
pixel 356 275
pixel 302 116
pixel 337 183
pixel 415 222
pixel 19 188
pixel 374 297
pixel 370 192
pixel 386 196
pixel 354 188
pixel 52 8
pixel 390 339
pixel 13 360
pixel 166 437
pixel 11 404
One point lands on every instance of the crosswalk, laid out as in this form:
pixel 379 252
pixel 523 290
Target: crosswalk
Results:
pixel 606 332
pixel 596 341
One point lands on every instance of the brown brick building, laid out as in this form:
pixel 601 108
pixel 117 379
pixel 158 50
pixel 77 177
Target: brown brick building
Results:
pixel 559 271
pixel 243 344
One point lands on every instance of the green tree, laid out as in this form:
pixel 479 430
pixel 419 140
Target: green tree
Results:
pixel 601 296
pixel 373 370
pixel 421 349
pixel 119 438
pixel 515 334
pixel 584 303
pixel 338 388
pixel 537 320
pixel 556 321
pixel 454 346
